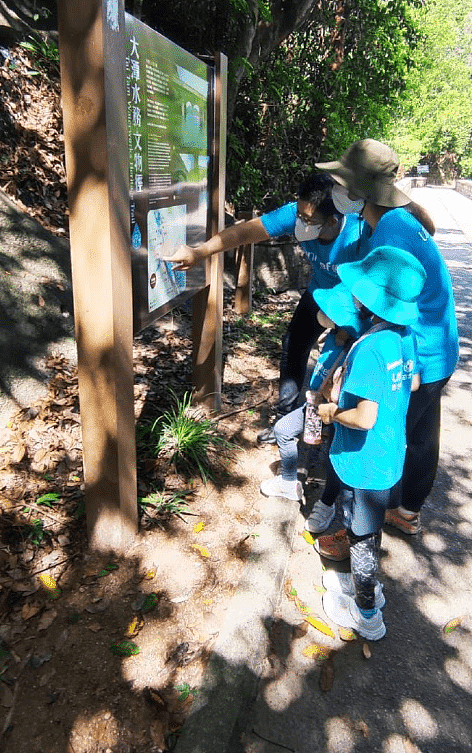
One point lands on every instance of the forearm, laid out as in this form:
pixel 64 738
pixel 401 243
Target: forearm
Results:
pixel 352 418
pixel 362 417
pixel 239 234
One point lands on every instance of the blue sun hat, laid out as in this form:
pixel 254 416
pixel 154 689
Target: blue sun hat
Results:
pixel 387 282
pixel 338 305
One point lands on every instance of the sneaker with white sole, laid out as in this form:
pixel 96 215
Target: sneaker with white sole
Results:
pixel 279 487
pixel 320 517
pixel 344 583
pixel 343 611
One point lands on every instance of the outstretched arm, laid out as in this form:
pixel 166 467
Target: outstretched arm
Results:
pixel 239 234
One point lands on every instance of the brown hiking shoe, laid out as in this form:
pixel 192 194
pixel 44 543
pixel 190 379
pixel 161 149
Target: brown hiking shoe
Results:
pixel 407 522
pixel 334 547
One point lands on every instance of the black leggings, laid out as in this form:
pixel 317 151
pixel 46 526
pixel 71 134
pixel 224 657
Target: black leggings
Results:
pixel 302 333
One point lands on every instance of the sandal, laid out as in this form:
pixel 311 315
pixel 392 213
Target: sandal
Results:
pixel 334 547
pixel 409 524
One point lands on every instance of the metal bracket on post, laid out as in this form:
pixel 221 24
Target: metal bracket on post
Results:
pixel 91 43
pixel 208 304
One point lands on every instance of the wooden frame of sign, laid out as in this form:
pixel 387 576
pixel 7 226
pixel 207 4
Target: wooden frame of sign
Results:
pixel 93 97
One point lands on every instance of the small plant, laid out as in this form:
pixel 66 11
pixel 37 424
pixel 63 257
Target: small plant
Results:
pixel 36 532
pixel 164 503
pixel 185 690
pixel 44 53
pixel 189 440
pixel 48 499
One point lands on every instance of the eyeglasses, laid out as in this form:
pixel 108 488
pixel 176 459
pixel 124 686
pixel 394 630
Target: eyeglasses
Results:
pixel 309 220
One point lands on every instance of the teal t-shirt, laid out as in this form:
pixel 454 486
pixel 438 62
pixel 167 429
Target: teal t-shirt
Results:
pixel 380 368
pixel 350 245
pixel 436 328
pixel 326 359
pixel 329 353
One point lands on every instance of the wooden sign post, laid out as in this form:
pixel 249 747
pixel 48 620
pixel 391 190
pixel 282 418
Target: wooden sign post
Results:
pixel 91 43
pixel 208 304
pixel 94 99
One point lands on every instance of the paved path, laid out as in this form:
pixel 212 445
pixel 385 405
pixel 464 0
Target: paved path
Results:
pixel 415 693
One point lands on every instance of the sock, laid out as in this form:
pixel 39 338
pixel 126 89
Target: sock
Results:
pixel 368 613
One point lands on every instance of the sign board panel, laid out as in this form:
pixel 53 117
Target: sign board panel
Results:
pixel 169 107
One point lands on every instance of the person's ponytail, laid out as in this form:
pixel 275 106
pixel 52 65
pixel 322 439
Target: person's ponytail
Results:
pixel 422 216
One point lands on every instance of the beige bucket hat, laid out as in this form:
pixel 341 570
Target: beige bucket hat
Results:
pixel 369 170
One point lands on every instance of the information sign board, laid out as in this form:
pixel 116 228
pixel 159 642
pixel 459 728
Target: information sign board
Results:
pixel 169 107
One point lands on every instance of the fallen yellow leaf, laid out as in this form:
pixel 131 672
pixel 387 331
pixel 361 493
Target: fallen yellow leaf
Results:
pixel 308 537
pixel 347 635
pixel 48 582
pixel 321 652
pixel 198 527
pixel 202 550
pixel 134 626
pixel 320 625
pixel 452 625
pixel 150 574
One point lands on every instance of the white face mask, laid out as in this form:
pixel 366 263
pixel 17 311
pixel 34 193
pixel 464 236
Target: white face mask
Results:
pixel 343 203
pixel 305 232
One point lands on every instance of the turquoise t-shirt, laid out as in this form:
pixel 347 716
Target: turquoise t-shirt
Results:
pixel 380 368
pixel 323 257
pixel 329 353
pixel 436 328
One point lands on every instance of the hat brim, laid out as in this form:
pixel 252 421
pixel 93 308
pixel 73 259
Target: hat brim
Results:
pixel 375 297
pixel 338 305
pixel 382 193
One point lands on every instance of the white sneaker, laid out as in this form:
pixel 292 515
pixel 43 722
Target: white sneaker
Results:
pixel 320 517
pixel 278 487
pixel 344 611
pixel 344 583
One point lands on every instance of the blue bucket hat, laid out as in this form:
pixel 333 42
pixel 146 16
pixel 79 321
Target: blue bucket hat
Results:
pixel 387 282
pixel 338 305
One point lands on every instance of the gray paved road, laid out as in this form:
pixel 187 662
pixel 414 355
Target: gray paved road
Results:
pixel 415 693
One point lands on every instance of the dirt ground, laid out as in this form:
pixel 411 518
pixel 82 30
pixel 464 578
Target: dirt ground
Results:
pixel 62 687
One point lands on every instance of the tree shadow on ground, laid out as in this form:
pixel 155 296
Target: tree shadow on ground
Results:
pixel 35 297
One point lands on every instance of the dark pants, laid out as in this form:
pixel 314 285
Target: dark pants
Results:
pixel 423 424
pixel 302 333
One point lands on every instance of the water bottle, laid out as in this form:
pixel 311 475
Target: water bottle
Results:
pixel 313 422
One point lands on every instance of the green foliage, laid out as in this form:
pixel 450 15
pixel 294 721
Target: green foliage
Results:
pixel 264 332
pixel 44 53
pixel 48 499
pixel 189 440
pixel 36 532
pixel 434 119
pixel 164 503
pixel 124 648
pixel 314 96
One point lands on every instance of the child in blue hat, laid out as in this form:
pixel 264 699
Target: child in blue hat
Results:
pixel 368 448
pixel 338 314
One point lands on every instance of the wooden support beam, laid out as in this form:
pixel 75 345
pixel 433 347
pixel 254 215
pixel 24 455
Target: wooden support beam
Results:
pixel 244 272
pixel 91 43
pixel 208 304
